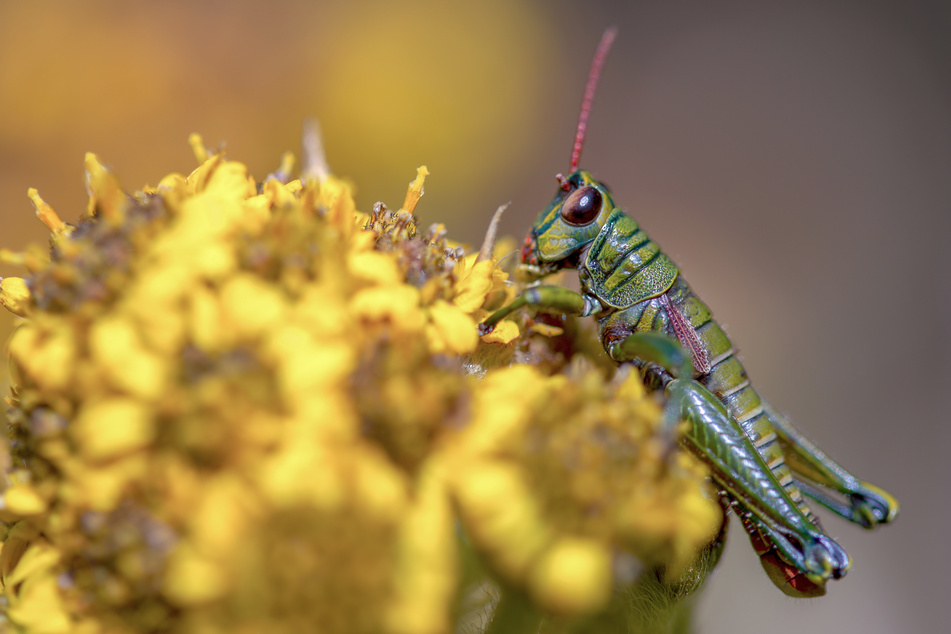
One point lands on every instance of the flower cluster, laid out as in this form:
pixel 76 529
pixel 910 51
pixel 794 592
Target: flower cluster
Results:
pixel 248 406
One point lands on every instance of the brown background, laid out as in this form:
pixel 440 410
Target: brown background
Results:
pixel 794 161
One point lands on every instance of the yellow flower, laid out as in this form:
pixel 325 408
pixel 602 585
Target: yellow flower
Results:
pixel 243 405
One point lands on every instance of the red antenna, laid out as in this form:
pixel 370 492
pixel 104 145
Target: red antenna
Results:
pixel 599 56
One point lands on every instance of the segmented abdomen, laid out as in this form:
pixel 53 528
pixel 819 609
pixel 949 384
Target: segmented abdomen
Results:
pixel 682 315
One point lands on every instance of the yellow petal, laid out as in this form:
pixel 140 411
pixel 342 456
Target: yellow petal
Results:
pixel 40 608
pixel 112 427
pixel 452 330
pixel 573 577
pixel 426 562
pixel 398 305
pixel 21 500
pixel 304 472
pixel 219 522
pixel 502 516
pixel 11 550
pixel 335 199
pixel 374 267
pixel 45 213
pixel 546 330
pixel 198 147
pixel 474 288
pixel 322 313
pixel 45 353
pixel 231 181
pixel 39 557
pixel 504 404
pixel 106 198
pixel 205 319
pixel 101 487
pixel 15 296
pixel 191 578
pixel 632 389
pixel 252 306
pixel 14 258
pixel 197 180
pixel 305 364
pixel 380 487
pixel 505 332
pixel 126 363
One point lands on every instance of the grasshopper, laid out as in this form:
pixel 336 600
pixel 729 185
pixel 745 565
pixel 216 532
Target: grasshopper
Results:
pixel 648 316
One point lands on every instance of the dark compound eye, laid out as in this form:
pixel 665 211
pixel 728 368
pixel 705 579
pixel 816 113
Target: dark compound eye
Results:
pixel 582 206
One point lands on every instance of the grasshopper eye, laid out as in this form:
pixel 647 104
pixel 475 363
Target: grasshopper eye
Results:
pixel 582 206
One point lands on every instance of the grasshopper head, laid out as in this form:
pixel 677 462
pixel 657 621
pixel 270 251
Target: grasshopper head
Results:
pixel 569 224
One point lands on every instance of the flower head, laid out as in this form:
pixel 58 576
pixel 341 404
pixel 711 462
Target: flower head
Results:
pixel 248 405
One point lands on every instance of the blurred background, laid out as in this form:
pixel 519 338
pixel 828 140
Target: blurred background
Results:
pixel 794 160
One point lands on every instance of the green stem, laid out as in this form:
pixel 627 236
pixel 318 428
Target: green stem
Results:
pixel 514 614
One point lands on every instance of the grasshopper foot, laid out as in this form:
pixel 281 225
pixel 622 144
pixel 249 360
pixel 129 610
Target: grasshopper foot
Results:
pixel 800 567
pixel 873 506
pixel 826 559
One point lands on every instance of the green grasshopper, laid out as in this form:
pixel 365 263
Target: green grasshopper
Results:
pixel 649 316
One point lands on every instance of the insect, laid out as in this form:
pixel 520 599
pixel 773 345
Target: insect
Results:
pixel 648 316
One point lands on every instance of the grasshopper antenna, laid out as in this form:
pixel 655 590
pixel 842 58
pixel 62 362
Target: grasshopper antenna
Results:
pixel 596 64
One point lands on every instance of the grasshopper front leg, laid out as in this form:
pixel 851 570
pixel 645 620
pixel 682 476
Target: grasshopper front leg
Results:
pixel 816 474
pixel 555 298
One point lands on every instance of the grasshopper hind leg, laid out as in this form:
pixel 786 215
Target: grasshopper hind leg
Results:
pixel 796 553
pixel 822 479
